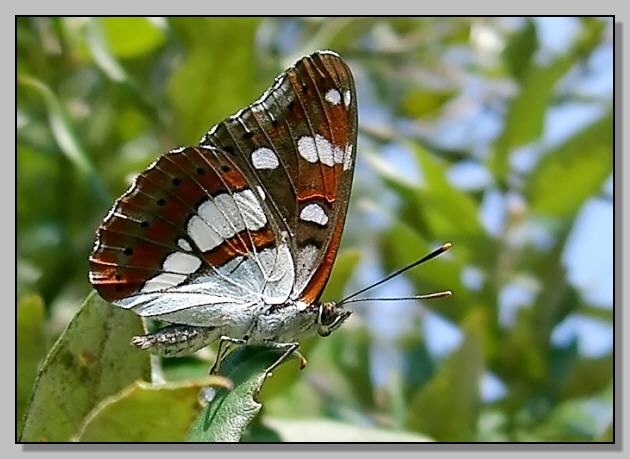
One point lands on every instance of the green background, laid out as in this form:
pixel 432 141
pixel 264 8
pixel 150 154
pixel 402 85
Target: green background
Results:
pixel 99 99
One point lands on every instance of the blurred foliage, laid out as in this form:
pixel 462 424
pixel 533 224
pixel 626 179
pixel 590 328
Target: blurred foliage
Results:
pixel 98 99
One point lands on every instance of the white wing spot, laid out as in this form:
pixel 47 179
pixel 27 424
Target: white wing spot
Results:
pixel 250 208
pixel 314 213
pixel 333 96
pixel 181 263
pixel 320 149
pixel 347 98
pixel 307 149
pixel 183 244
pixel 222 215
pixel 204 236
pixel 338 155
pixel 265 158
pixel 163 281
pixel 347 160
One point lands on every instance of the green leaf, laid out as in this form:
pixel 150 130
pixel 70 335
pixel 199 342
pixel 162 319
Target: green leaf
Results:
pixel 423 102
pixel 64 135
pixel 573 172
pixel 31 349
pixel 525 118
pixel 132 36
pixel 453 389
pixel 144 412
pixel 573 420
pixel 108 63
pixel 444 209
pixel 184 368
pixel 418 364
pixel 327 431
pixel 213 81
pixel 228 415
pixel 586 376
pixel 343 360
pixel 523 351
pixel 520 49
pixel 91 360
pixel 402 246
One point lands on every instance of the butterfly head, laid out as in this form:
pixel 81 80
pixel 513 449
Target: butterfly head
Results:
pixel 330 316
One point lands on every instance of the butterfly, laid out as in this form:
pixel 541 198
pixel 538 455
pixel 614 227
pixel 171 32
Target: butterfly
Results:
pixel 234 239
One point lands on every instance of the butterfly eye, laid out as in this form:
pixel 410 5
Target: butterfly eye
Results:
pixel 330 318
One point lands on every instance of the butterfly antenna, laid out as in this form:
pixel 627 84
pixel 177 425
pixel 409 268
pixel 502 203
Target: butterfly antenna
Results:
pixel 443 248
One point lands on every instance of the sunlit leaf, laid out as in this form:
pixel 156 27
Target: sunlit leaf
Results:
pixel 132 36
pixel 91 360
pixel 403 246
pixel 586 376
pixel 31 349
pixel 576 170
pixel 228 415
pixel 523 356
pixel 144 412
pixel 453 389
pixel 574 420
pixel 422 102
pixel 525 118
pixel 520 48
pixel 451 214
pixel 213 82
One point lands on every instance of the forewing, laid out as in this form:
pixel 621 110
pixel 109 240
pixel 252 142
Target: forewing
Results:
pixel 297 142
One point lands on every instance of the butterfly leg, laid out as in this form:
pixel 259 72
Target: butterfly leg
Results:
pixel 176 340
pixel 224 346
pixel 290 348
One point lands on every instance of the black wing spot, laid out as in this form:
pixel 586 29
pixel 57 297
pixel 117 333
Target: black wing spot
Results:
pixel 201 171
pixel 161 202
pixel 128 251
pixel 177 181
pixel 144 224
pixel 229 149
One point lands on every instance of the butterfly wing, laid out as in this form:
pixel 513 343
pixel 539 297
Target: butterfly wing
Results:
pixel 253 214
pixel 298 142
